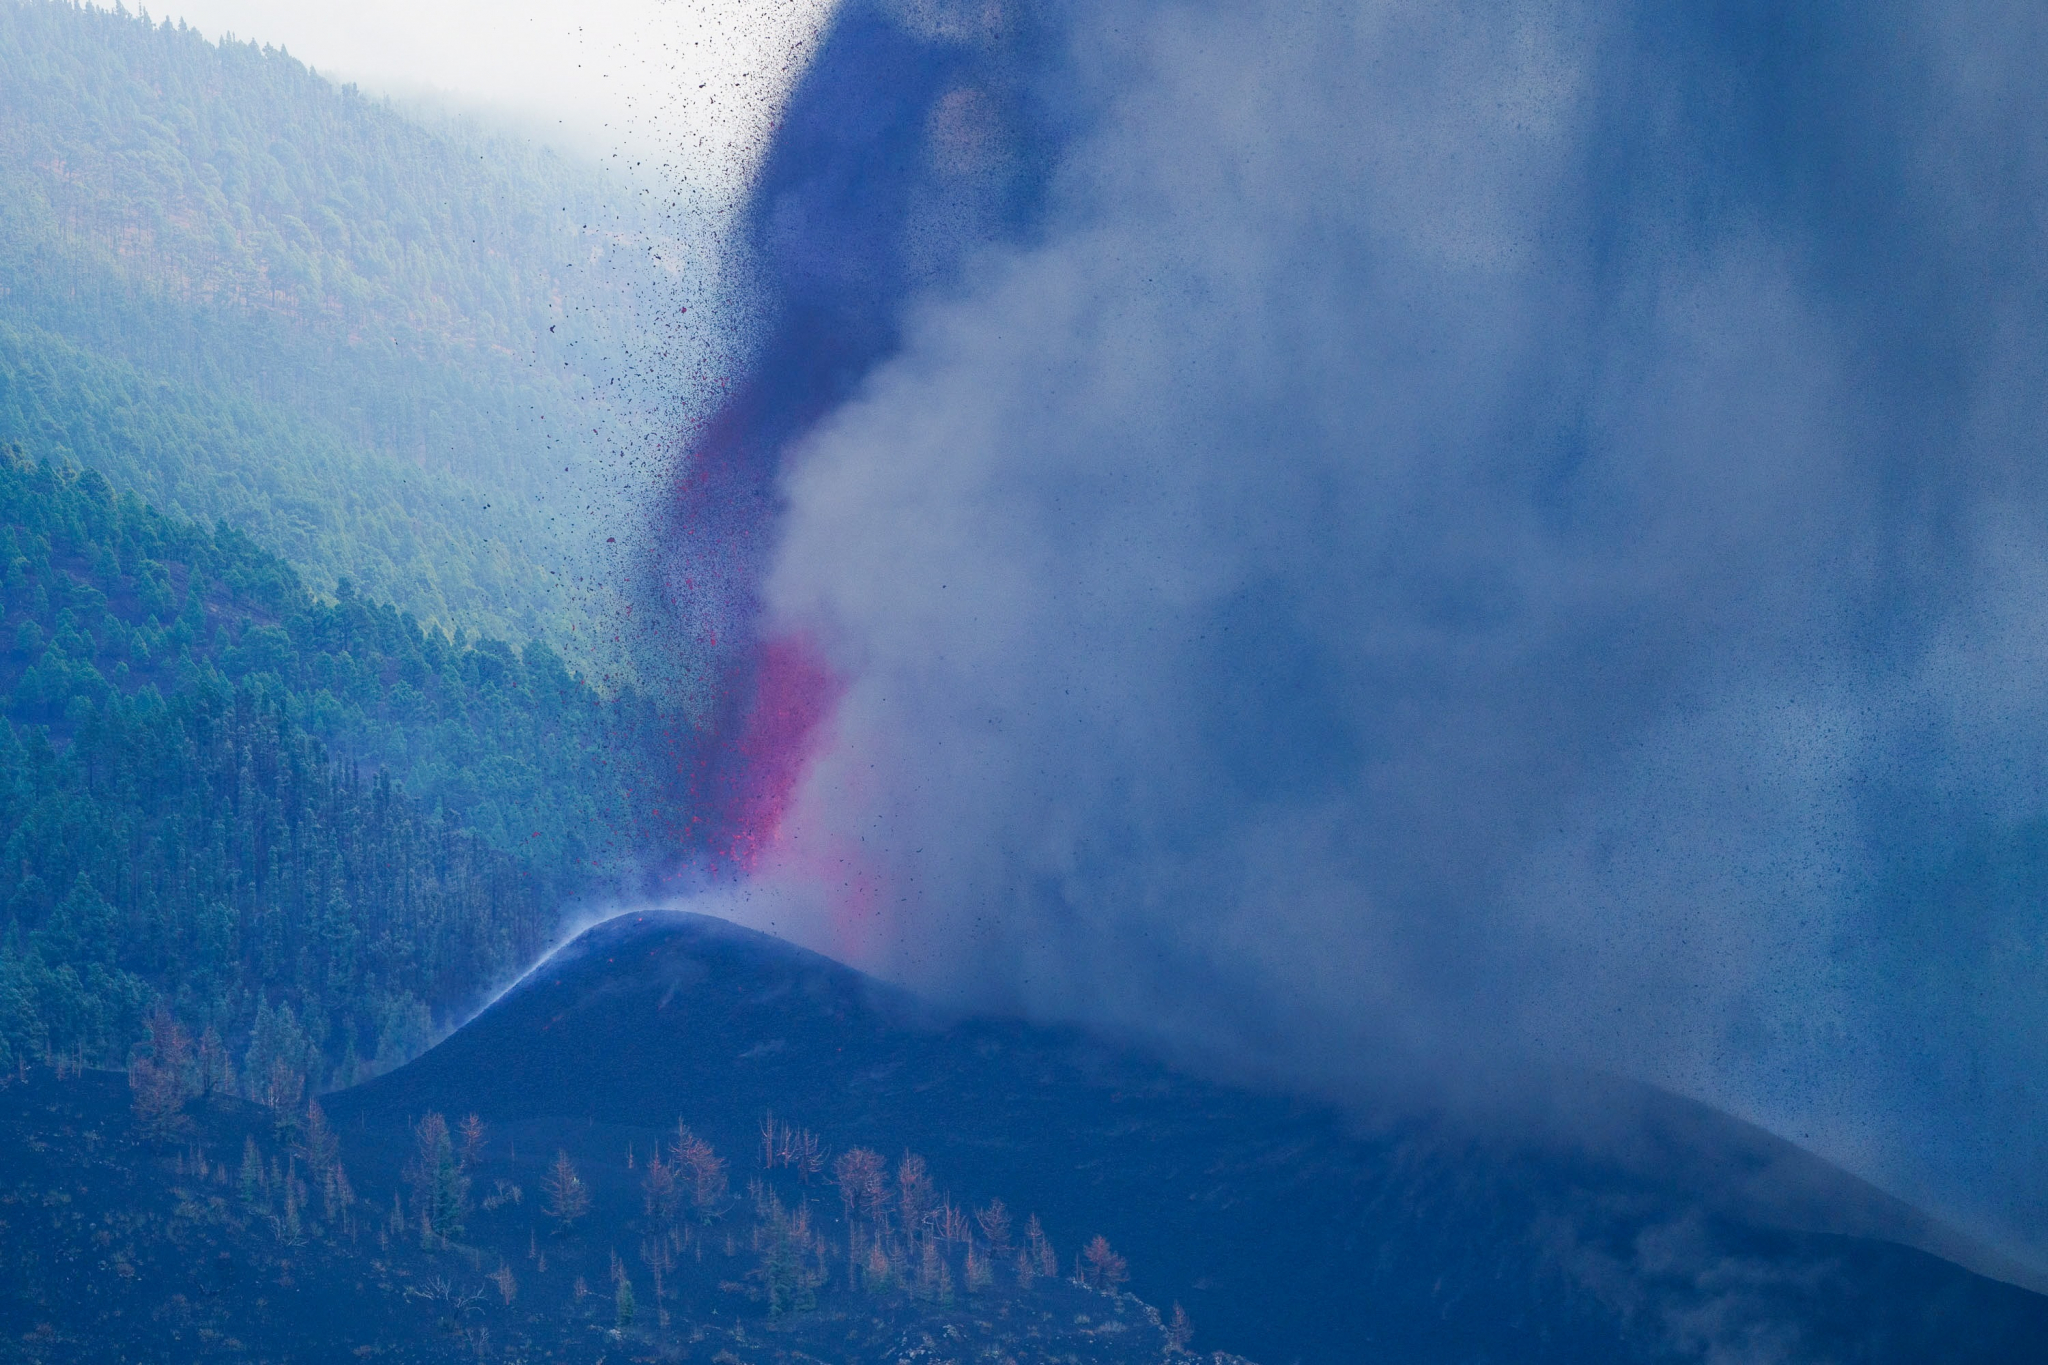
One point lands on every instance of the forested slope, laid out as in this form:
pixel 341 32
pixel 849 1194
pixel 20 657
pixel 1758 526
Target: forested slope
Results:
pixel 309 825
pixel 292 483
pixel 247 292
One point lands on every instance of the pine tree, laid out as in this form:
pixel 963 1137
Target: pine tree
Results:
pixel 317 1145
pixel 289 1228
pixel 440 1189
pixel 995 1225
pixel 341 1197
pixel 622 1298
pixel 161 1079
pixel 1046 1260
pixel 252 1174
pixel 662 1195
pixel 863 1182
pixel 704 1170
pixel 881 1273
pixel 215 1075
pixel 1179 1331
pixel 472 1141
pixel 567 1198
pixel 915 1195
pixel 1102 1268
pixel 977 1270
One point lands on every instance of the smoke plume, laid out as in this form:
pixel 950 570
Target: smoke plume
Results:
pixel 1373 539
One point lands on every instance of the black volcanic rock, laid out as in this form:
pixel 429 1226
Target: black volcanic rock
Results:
pixel 117 1244
pixel 1288 1233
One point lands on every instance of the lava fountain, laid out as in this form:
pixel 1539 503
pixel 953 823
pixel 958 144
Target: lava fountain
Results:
pixel 916 138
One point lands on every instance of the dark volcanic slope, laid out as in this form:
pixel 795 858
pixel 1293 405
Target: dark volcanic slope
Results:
pixel 1286 1234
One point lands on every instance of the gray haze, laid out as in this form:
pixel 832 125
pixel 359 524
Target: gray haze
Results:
pixel 1484 535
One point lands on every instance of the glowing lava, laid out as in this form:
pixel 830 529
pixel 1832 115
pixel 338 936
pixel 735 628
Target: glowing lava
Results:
pixel 794 692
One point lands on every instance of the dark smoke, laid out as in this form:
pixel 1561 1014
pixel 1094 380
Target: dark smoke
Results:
pixel 1372 539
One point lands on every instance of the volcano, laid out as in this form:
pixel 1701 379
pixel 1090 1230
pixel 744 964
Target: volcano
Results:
pixel 1289 1229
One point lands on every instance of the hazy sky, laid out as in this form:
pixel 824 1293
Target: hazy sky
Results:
pixel 696 77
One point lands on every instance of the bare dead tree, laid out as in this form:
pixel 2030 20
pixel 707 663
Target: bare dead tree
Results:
pixel 660 1260
pixel 806 1154
pixel 457 1302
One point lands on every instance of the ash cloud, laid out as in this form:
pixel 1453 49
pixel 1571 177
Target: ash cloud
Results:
pixel 1469 538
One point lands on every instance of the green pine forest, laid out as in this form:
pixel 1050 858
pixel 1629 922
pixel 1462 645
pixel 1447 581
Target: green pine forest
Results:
pixel 308 415
pixel 390 349
pixel 220 792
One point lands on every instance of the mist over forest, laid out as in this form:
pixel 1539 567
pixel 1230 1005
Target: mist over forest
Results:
pixel 1330 681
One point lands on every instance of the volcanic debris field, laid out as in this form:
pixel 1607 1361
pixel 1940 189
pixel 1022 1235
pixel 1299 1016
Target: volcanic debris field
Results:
pixel 679 1140
pixel 119 1247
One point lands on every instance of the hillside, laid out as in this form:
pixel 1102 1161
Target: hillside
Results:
pixel 313 827
pixel 387 350
pixel 229 1236
pixel 1287 1232
pixel 681 1141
